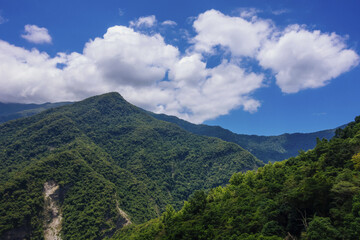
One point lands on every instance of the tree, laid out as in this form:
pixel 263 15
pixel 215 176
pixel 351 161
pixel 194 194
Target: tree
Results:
pixel 320 228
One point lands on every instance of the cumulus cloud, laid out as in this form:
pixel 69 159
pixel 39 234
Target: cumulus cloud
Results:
pixel 300 59
pixel 134 64
pixel 36 34
pixel 148 21
pixel 23 75
pixel 122 57
pixel 204 93
pixel 221 89
pixel 156 76
pixel 126 57
pixel 240 36
pixel 303 59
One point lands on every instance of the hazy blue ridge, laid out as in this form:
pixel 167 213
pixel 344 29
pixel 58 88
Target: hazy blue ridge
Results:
pixel 265 148
pixel 11 111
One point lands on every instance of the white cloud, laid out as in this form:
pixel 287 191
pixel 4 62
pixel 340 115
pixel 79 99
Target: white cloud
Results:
pixel 218 91
pixel 200 93
pixel 135 65
pixel 36 34
pixel 189 70
pixel 120 59
pixel 169 23
pixel 302 59
pixel 241 37
pixel 158 77
pixel 148 21
pixel 28 76
pixel 126 57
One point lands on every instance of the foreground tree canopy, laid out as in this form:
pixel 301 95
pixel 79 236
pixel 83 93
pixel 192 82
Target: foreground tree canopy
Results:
pixel 315 195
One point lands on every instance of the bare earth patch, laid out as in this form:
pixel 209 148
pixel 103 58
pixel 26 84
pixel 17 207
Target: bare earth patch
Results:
pixel 52 222
pixel 124 215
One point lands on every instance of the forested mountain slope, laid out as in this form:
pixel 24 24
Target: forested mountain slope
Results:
pixel 265 148
pixel 103 157
pixel 315 195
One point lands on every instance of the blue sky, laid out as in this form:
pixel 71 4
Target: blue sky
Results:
pixel 254 67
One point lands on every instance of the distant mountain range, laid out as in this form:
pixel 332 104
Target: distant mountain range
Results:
pixel 10 111
pixel 88 168
pixel 265 148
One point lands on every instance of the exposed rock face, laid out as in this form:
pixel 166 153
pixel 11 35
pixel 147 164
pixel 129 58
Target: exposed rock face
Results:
pixel 52 213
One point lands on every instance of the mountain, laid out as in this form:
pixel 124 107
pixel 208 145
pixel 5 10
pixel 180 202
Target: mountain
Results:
pixel 84 170
pixel 10 111
pixel 314 196
pixel 265 148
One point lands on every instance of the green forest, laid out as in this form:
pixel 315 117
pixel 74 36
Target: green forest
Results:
pixel 315 195
pixel 104 152
pixel 108 157
pixel 265 148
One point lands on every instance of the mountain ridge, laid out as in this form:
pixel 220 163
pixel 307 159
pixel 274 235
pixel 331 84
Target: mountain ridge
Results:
pixel 104 153
pixel 265 148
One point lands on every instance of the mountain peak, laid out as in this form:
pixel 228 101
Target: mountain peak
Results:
pixel 108 103
pixel 111 96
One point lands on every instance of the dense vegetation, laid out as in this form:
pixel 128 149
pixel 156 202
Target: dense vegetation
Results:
pixel 104 152
pixel 265 148
pixel 315 196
